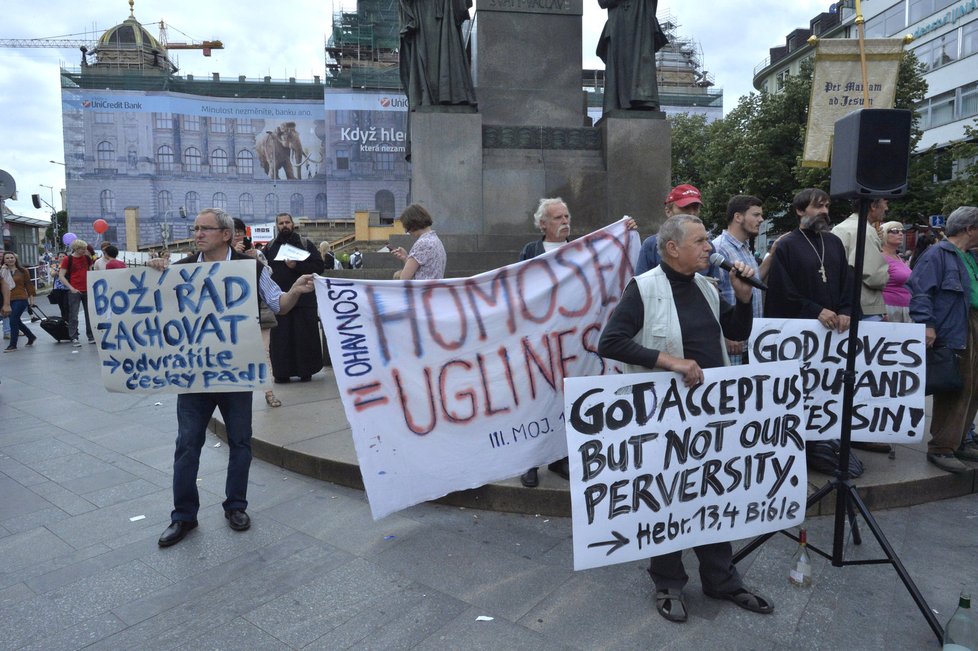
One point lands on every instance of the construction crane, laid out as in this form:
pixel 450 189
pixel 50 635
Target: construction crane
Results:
pixel 204 46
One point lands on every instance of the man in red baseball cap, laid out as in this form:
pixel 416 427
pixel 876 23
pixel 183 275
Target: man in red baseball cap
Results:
pixel 682 200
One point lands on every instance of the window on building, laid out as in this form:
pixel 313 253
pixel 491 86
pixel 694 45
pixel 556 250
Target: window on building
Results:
pixel 342 159
pixel 941 109
pixel 105 155
pixel 894 20
pixel 945 50
pixel 246 205
pixel 219 200
pixel 163 201
pixel 191 159
pixel 107 203
pixel 920 9
pixel 969 38
pixel 384 204
pixel 969 101
pixel 321 205
pixel 191 123
pixel 246 163
pixel 103 118
pixel 219 125
pixel 243 126
pixel 164 158
pixel 271 205
pixel 782 79
pixel 296 205
pixel 384 162
pixel 219 161
pixel 343 117
pixel 192 203
pixel 163 120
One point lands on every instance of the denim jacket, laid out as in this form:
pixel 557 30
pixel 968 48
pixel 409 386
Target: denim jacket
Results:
pixel 941 289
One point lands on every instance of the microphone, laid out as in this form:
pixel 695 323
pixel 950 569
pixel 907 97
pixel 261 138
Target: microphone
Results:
pixel 721 262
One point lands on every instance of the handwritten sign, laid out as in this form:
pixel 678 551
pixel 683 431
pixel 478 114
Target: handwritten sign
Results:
pixel 191 328
pixel 656 467
pixel 450 384
pixel 889 398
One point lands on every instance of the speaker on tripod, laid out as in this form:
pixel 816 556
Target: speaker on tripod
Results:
pixel 871 154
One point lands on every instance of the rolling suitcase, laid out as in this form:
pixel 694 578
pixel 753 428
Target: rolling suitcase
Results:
pixel 53 325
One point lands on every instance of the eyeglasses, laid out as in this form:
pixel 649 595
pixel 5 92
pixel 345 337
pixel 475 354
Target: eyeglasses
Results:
pixel 894 230
pixel 206 229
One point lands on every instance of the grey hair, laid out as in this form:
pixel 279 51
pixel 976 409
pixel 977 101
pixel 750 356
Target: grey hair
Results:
pixel 674 230
pixel 541 212
pixel 961 220
pixel 224 220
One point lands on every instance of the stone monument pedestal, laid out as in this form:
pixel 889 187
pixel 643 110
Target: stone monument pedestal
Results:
pixel 482 174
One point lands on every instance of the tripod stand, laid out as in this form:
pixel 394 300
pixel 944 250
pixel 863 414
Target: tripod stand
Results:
pixel 847 500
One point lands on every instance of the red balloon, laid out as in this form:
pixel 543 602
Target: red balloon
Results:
pixel 100 226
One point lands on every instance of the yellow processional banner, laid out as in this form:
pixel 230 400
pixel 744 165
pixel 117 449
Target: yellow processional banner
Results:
pixel 837 88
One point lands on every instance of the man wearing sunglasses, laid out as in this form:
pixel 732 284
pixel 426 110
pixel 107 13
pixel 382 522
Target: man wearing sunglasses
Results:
pixel 213 233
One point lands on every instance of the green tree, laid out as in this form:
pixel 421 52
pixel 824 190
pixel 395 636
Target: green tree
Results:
pixel 962 189
pixel 60 222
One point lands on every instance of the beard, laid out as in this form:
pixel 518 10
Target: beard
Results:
pixel 817 223
pixel 289 237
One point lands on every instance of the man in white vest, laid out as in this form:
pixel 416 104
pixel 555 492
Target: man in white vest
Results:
pixel 672 318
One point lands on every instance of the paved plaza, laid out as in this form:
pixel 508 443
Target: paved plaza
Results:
pixel 85 493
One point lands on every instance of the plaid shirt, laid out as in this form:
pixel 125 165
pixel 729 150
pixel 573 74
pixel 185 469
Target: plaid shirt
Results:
pixel 736 251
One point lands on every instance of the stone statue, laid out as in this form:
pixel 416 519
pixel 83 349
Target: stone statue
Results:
pixel 627 45
pixel 434 66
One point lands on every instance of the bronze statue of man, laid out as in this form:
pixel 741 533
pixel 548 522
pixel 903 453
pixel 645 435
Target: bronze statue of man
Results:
pixel 627 45
pixel 434 66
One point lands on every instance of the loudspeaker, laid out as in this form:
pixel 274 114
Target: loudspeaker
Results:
pixel 36 200
pixel 871 154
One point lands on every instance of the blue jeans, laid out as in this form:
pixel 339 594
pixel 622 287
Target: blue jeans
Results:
pixel 17 308
pixel 194 411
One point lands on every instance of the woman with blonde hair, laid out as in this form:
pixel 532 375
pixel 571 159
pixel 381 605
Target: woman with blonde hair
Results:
pixel 896 297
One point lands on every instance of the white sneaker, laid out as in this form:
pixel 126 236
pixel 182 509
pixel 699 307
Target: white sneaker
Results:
pixel 75 343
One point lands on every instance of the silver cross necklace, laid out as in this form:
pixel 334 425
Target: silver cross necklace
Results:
pixel 821 256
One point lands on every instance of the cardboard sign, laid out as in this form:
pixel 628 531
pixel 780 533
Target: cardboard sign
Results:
pixel 890 371
pixel 657 467
pixel 191 328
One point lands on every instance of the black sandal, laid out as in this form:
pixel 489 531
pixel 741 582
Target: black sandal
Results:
pixel 745 599
pixel 671 605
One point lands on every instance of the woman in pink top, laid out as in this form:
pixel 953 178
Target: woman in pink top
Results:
pixel 895 295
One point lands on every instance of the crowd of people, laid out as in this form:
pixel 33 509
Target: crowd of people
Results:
pixel 685 310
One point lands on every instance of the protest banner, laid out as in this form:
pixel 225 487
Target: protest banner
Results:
pixel 451 384
pixel 657 467
pixel 837 88
pixel 191 328
pixel 889 398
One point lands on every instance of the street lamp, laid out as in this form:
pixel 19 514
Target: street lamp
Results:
pixel 37 201
pixel 165 226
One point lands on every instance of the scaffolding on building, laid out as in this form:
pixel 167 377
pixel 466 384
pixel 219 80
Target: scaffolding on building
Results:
pixel 363 49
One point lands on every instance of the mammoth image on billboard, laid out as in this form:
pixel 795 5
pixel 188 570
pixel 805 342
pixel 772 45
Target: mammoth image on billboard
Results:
pixel 160 151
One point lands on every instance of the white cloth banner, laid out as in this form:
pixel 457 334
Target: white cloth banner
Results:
pixel 656 467
pixel 192 328
pixel 890 371
pixel 837 88
pixel 451 384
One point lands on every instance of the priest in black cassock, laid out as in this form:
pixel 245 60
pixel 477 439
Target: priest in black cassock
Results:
pixel 295 348
pixel 809 273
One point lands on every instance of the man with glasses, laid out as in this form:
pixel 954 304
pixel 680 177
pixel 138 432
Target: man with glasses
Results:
pixel 213 232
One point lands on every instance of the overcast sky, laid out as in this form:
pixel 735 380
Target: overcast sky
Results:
pixel 286 40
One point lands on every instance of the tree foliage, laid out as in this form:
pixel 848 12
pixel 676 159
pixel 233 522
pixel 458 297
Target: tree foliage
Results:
pixel 757 148
pixel 61 222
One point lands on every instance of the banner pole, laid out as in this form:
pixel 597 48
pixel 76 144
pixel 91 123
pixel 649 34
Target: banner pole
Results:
pixel 861 31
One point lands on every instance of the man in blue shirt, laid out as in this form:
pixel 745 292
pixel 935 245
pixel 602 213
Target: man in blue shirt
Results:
pixel 744 218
